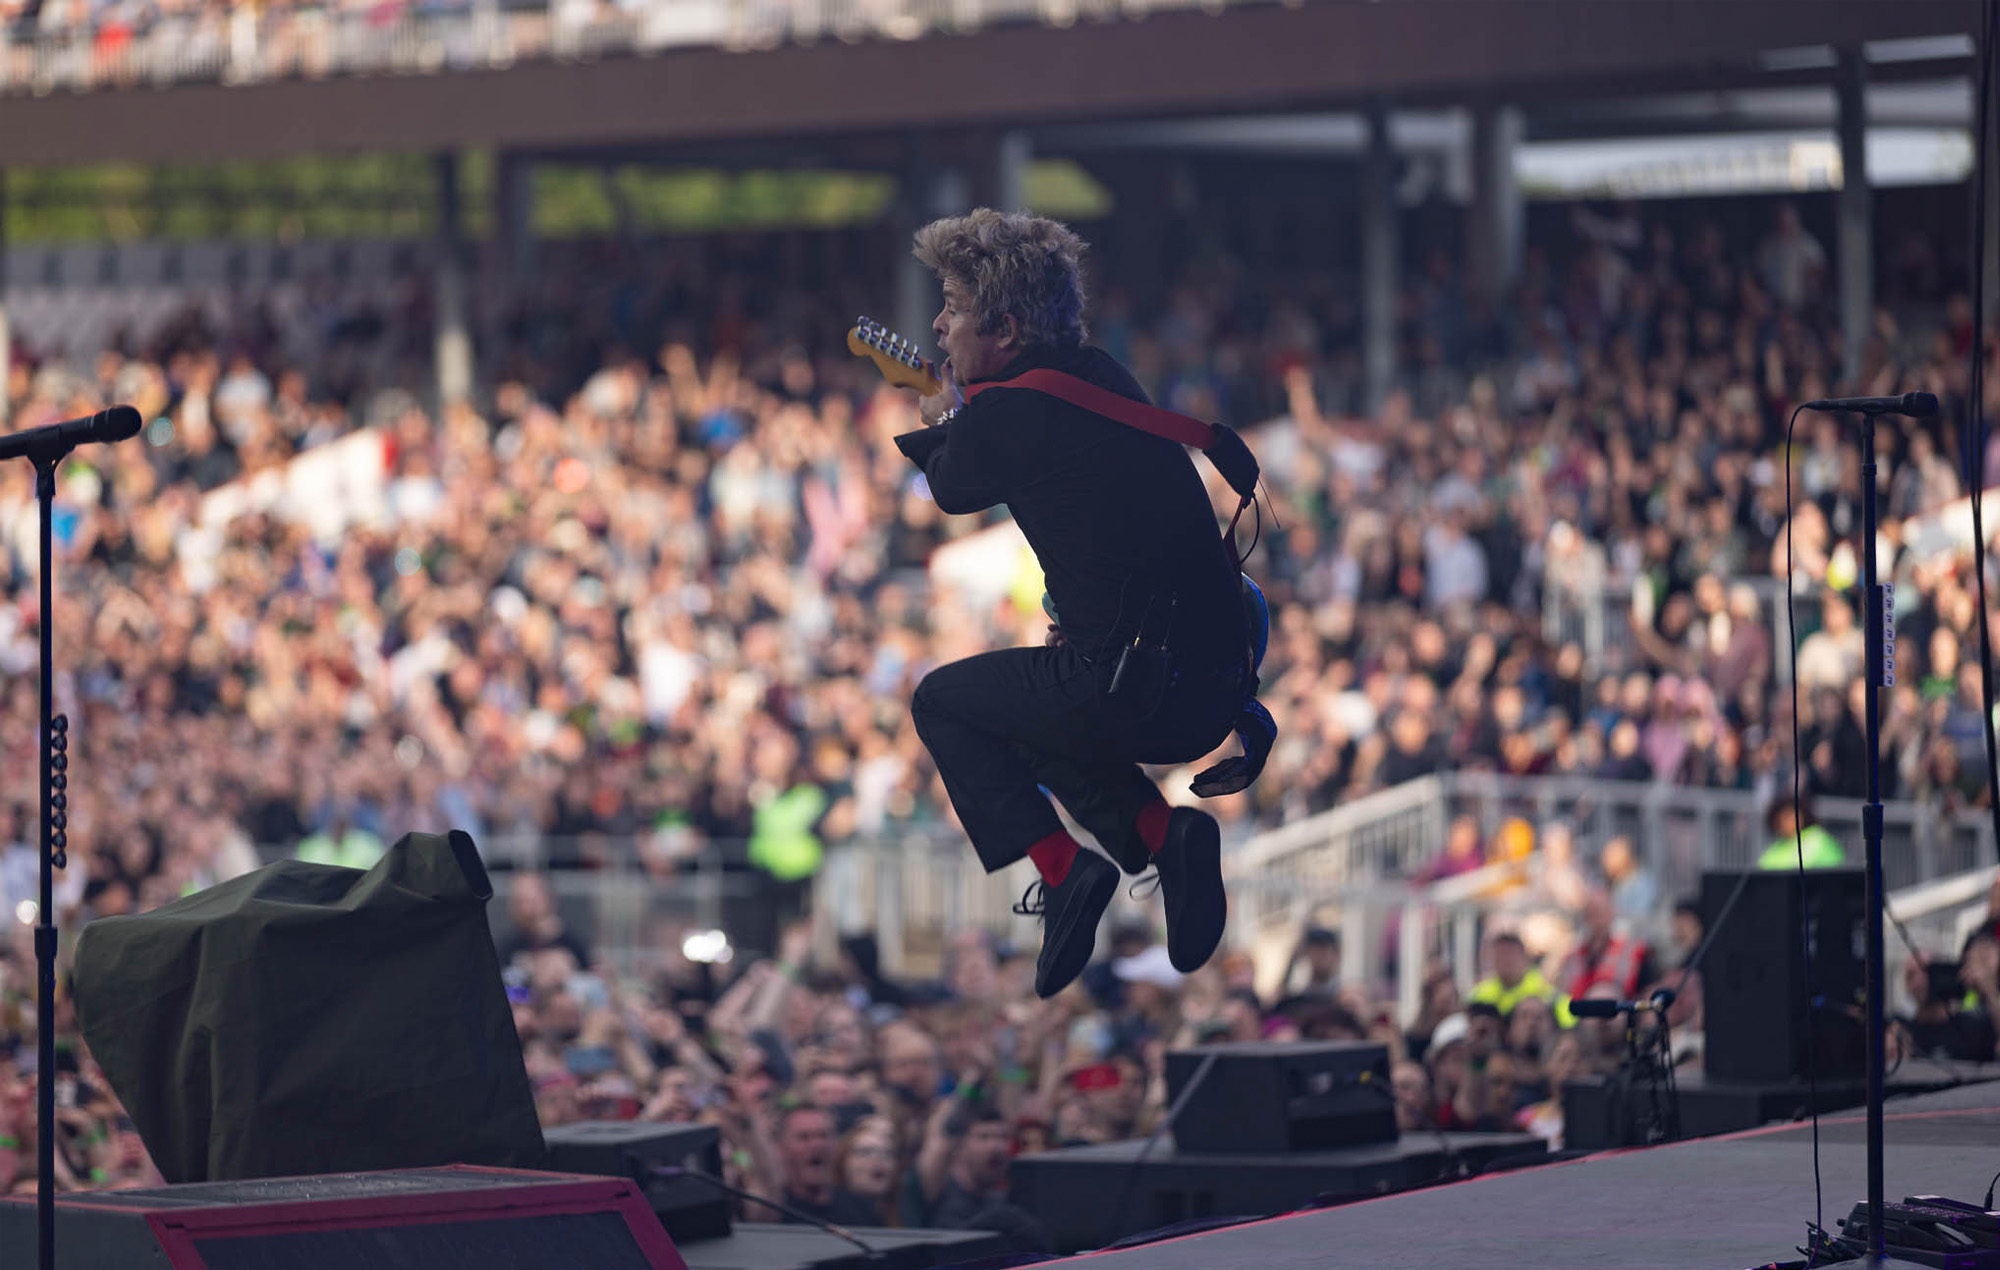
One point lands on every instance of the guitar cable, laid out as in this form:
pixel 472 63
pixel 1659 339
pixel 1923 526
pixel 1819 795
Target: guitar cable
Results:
pixel 1799 843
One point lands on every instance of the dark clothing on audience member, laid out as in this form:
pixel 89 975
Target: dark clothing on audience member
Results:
pixel 845 1208
pixel 954 1209
pixel 1963 1035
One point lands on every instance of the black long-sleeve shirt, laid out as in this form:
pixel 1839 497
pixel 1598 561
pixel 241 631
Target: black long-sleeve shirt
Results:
pixel 1118 518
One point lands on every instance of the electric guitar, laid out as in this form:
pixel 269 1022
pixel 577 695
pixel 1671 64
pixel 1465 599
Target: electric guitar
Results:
pixel 897 358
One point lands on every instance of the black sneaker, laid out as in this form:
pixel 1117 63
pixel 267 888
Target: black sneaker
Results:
pixel 1129 852
pixel 1190 865
pixel 1070 911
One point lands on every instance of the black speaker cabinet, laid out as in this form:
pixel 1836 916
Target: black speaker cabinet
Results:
pixel 1301 1096
pixel 1091 1196
pixel 1755 986
pixel 690 1208
pixel 496 1219
pixel 304 1019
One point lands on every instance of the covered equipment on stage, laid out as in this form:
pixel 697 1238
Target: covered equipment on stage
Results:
pixel 311 1019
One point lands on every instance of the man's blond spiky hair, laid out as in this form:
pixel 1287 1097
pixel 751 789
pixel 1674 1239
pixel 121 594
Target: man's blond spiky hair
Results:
pixel 1012 262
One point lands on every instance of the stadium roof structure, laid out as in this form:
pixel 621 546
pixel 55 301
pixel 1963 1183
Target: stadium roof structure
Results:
pixel 1239 58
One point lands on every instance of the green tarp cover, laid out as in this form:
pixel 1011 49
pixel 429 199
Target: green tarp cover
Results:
pixel 310 1019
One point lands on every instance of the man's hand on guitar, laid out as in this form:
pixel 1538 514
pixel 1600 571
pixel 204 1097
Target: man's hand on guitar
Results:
pixel 935 407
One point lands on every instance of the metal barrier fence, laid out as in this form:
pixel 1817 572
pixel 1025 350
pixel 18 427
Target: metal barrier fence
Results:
pixel 621 910
pixel 913 895
pixel 1677 832
pixel 239 45
pixel 627 916
pixel 1350 868
pixel 1935 918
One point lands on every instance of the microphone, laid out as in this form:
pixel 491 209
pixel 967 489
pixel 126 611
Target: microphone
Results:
pixel 1917 405
pixel 1606 1008
pixel 53 440
pixel 1602 1008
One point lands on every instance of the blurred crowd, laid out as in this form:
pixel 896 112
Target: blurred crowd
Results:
pixel 674 601
pixel 94 44
pixel 682 599
pixel 851 1098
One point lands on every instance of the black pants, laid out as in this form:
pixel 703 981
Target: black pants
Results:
pixel 1002 724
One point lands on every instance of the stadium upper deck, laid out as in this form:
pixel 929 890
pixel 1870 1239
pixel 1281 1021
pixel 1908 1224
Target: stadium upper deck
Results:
pixel 404 78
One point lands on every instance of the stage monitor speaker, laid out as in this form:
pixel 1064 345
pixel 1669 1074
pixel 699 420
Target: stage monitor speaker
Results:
pixel 421 1219
pixel 690 1208
pixel 1090 1196
pixel 1298 1096
pixel 305 1019
pixel 1754 982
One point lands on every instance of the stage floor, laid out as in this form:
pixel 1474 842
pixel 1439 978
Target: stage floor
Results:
pixel 1726 1203
pixel 763 1246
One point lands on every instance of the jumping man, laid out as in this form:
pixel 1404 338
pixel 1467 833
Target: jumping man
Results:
pixel 1136 575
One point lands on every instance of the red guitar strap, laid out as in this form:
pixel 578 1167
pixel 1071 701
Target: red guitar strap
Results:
pixel 1135 414
pixel 1101 401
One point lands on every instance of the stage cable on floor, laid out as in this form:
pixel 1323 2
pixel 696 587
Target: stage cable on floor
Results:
pixel 1799 844
pixel 643 1173
pixel 1166 1122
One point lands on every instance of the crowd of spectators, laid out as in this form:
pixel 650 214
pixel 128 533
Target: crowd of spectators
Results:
pixel 860 1100
pixel 684 597
pixel 676 602
pixel 855 1099
pixel 96 44
pixel 693 584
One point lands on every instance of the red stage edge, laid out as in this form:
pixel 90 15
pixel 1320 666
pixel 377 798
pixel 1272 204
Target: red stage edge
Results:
pixel 554 1195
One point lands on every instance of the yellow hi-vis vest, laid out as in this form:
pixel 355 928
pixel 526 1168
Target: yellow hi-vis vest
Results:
pixel 1492 992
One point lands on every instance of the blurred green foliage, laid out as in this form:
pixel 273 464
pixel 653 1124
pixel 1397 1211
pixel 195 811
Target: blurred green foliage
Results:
pixel 399 196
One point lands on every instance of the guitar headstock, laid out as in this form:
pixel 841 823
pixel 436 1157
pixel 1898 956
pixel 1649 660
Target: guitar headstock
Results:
pixel 897 358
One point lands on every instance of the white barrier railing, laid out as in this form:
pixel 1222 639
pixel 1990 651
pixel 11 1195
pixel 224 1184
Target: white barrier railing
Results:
pixel 1677 831
pixel 1348 868
pixel 912 894
pixel 1940 915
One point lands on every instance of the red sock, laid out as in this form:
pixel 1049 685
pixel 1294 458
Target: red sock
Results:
pixel 1152 824
pixel 1053 856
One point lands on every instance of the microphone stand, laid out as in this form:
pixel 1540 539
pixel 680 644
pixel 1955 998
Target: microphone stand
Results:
pixel 54 855
pixel 45 447
pixel 1878 644
pixel 1652 1062
pixel 1878 653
